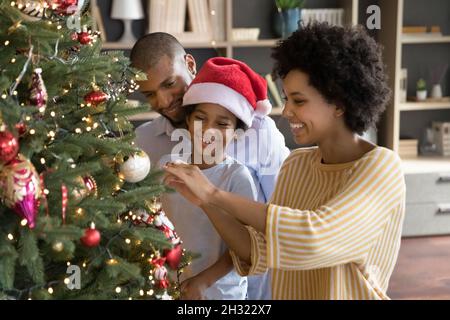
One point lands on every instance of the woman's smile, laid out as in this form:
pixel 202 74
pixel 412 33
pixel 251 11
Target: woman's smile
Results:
pixel 297 128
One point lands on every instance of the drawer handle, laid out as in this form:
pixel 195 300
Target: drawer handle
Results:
pixel 444 178
pixel 444 209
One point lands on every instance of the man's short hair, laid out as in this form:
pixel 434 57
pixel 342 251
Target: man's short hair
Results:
pixel 149 49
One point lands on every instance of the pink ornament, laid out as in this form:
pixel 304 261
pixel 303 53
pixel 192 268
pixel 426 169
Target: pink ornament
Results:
pixel 38 93
pixel 20 189
pixel 64 7
pixel 160 273
pixel 90 184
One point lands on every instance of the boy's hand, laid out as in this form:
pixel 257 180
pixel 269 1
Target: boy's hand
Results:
pixel 194 288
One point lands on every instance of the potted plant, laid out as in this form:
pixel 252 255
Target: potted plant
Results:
pixel 421 90
pixel 288 16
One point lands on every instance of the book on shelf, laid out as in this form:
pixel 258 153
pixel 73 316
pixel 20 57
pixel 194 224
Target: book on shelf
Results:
pixel 194 22
pixel 433 30
pixel 408 142
pixel 167 16
pixel 441 136
pixel 200 16
pixel 196 28
pixel 332 16
pixel 217 9
pixel 418 33
pixel 157 14
pixel 175 16
pixel 245 34
pixel 408 148
pixel 273 90
pixel 414 29
pixel 170 16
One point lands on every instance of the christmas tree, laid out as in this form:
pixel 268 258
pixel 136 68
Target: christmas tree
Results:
pixel 78 218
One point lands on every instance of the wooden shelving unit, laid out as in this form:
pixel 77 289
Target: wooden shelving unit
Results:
pixel 226 47
pixel 422 106
pixel 395 43
pixel 411 39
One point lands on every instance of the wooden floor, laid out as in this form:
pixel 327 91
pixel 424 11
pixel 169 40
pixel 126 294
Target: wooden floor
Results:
pixel 423 269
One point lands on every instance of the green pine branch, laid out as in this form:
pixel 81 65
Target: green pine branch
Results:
pixel 29 256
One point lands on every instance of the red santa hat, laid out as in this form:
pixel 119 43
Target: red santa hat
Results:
pixel 231 84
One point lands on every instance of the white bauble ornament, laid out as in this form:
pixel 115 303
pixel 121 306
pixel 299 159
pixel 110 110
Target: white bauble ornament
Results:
pixel 136 167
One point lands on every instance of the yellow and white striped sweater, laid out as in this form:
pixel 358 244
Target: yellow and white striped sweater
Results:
pixel 332 231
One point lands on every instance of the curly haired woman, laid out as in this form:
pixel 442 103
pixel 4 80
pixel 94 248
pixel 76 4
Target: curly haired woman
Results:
pixel 332 229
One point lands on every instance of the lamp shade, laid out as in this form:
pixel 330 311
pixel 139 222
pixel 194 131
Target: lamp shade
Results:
pixel 127 10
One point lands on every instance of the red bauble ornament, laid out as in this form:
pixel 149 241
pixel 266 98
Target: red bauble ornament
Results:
pixel 91 237
pixel 9 147
pixel 84 37
pixel 173 256
pixel 20 188
pixel 96 97
pixel 21 128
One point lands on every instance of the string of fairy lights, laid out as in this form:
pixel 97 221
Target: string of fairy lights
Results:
pixel 90 125
pixel 111 261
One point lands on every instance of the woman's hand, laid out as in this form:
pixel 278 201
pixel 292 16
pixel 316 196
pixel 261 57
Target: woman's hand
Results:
pixel 190 182
pixel 194 288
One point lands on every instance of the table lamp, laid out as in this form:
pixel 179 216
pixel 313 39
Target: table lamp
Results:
pixel 127 10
